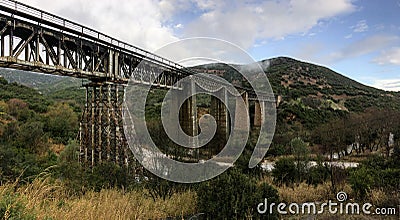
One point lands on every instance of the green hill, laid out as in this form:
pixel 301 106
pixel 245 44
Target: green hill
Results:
pixel 287 75
pixel 57 88
pixel 295 79
pixel 44 83
pixel 309 94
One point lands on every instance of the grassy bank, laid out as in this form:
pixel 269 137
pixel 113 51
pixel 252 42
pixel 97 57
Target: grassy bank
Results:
pixel 46 199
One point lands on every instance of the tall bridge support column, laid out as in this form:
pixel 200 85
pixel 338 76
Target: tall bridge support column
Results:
pixel 242 124
pixel 101 129
pixel 219 112
pixel 188 112
pixel 258 114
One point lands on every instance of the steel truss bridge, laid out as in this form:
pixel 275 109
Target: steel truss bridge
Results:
pixel 34 40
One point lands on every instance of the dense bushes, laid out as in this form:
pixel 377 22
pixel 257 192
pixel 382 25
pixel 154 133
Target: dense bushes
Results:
pixel 20 163
pixel 234 195
pixel 35 101
pixel 12 208
pixel 61 122
pixel 376 173
pixel 30 124
pixel 308 117
pixel 288 171
pixel 77 179
pixel 284 171
pixel 318 174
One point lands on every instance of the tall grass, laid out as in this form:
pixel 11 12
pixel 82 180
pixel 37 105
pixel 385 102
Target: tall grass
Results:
pixel 45 198
pixel 302 192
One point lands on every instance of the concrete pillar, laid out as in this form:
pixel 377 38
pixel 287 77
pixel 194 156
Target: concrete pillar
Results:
pixel 214 111
pixel 113 64
pixel 188 113
pixel 219 112
pixel 257 114
pixel 174 110
pixel 110 63
pixel 193 110
pixel 116 65
pixel 278 100
pixel 242 124
pixel 264 113
pixel 224 116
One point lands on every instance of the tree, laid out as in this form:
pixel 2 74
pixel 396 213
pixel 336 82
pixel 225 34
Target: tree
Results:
pixel 62 122
pixel 376 173
pixel 31 137
pixel 318 174
pixel 301 153
pixel 332 137
pixel 107 175
pixel 396 151
pixel 19 109
pixel 285 171
pixel 361 181
pixel 10 132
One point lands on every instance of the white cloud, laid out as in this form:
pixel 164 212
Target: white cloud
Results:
pixel 361 26
pixel 140 23
pixel 348 36
pixel 244 23
pixel 210 4
pixel 169 8
pixel 387 84
pixel 179 25
pixel 309 52
pixel 154 23
pixel 391 56
pixel 317 52
pixel 365 46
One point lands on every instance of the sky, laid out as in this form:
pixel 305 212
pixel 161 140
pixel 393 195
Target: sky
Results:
pixel 357 38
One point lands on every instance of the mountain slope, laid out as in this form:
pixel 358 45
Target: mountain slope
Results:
pixel 294 79
pixel 45 83
pixel 309 94
pixel 53 87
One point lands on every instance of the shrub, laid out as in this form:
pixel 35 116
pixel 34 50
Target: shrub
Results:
pixel 12 208
pixel 61 123
pixel 107 175
pixel 159 188
pixel 285 171
pixel 361 181
pixel 234 195
pixel 318 174
pixel 277 150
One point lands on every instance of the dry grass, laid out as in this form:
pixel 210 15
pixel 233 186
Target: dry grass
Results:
pixel 300 193
pixel 305 193
pixel 48 200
